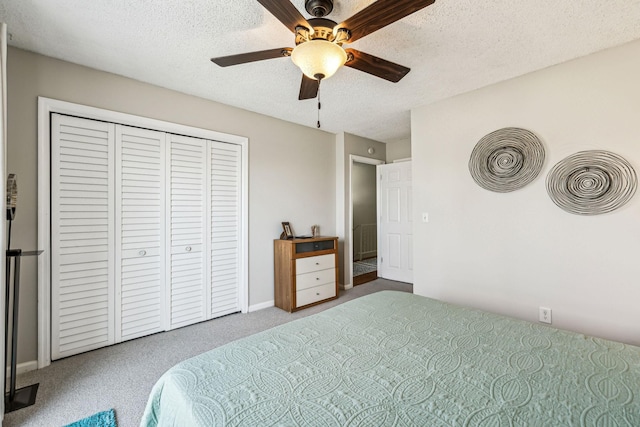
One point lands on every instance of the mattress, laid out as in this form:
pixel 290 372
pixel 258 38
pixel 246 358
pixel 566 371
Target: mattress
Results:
pixel 397 359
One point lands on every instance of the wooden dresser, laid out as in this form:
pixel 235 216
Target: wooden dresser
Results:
pixel 306 272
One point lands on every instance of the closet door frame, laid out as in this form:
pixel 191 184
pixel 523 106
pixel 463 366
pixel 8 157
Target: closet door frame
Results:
pixel 47 106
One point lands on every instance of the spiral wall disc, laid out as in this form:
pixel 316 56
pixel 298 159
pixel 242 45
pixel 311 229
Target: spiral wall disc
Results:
pixel 506 160
pixel 591 182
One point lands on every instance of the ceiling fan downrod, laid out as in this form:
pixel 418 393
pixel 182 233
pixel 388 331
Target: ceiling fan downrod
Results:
pixel 318 8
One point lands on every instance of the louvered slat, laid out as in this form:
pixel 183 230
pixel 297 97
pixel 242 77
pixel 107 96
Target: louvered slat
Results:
pixel 225 172
pixel 82 220
pixel 140 233
pixel 187 227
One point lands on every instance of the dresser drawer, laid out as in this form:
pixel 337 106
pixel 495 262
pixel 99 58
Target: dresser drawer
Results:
pixel 315 278
pixel 315 263
pixel 317 293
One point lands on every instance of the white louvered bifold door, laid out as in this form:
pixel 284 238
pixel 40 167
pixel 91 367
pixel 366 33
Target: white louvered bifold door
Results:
pixel 82 235
pixel 226 215
pixel 140 232
pixel 188 225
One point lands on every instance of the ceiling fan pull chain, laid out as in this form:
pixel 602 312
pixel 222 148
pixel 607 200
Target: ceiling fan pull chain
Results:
pixel 319 107
pixel 319 104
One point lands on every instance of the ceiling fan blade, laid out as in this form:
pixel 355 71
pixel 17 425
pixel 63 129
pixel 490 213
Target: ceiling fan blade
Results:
pixel 286 13
pixel 242 58
pixel 308 88
pixel 376 66
pixel 380 14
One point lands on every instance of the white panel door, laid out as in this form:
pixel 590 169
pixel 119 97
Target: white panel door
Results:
pixel 82 235
pixel 226 215
pixel 140 232
pixel 395 235
pixel 187 200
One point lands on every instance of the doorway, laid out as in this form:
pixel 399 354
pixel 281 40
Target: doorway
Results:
pixel 363 218
pixel 395 251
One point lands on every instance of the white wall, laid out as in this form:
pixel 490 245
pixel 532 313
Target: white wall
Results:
pixel 291 167
pixel 511 253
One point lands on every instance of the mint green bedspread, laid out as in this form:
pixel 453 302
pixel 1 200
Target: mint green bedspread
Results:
pixel 397 359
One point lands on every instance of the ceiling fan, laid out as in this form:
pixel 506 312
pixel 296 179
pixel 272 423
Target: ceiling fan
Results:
pixel 319 52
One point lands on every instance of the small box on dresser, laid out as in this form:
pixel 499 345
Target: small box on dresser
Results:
pixel 306 272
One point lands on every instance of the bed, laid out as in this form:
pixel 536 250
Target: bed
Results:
pixel 398 359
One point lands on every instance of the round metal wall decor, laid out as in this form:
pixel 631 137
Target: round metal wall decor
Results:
pixel 592 182
pixel 506 160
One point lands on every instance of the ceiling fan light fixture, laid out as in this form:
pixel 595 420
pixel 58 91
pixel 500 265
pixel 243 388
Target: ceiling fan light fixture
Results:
pixel 319 57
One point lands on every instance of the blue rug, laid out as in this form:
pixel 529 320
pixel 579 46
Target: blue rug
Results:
pixel 101 419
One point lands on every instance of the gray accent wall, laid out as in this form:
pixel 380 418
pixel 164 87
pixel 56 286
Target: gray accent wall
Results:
pixel 514 252
pixel 363 193
pixel 291 167
pixel 398 150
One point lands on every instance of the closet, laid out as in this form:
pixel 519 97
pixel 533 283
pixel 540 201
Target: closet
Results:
pixel 145 232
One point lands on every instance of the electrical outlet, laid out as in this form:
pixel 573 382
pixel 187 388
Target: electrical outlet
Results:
pixel 545 315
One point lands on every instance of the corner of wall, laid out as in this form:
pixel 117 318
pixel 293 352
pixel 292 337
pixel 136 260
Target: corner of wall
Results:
pixel 351 145
pixel 398 150
pixel 340 207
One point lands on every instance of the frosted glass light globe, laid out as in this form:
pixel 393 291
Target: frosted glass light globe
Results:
pixel 319 58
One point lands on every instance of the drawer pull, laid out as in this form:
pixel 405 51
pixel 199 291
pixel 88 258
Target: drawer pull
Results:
pixel 317 293
pixel 142 253
pixel 188 249
pixel 317 278
pixel 317 263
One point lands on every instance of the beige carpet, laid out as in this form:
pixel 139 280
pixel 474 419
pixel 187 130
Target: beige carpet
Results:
pixel 121 376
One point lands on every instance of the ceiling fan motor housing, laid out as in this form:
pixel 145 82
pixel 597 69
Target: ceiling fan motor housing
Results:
pixel 323 29
pixel 318 8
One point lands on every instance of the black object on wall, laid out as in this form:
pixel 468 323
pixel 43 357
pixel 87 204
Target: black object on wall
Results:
pixel 25 396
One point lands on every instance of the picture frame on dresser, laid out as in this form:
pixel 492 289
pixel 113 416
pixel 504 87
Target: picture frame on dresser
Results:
pixel 288 232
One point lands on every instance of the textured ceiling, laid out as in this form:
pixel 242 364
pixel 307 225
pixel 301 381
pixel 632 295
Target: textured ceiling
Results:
pixel 452 46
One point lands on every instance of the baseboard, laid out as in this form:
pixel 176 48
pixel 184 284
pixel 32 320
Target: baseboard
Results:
pixel 261 306
pixel 21 368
